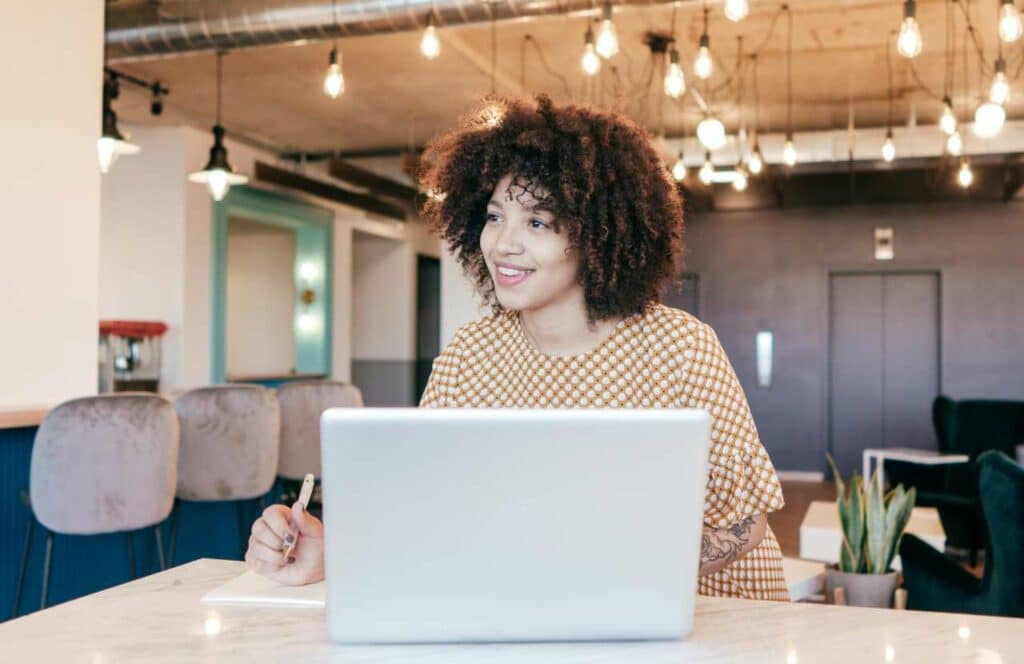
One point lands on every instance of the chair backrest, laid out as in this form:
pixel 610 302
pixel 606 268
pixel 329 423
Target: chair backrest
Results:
pixel 1002 500
pixel 942 420
pixel 302 404
pixel 105 464
pixel 229 442
pixel 982 425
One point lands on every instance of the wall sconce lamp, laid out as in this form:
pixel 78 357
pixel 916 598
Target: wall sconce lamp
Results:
pixel 307 273
pixel 765 347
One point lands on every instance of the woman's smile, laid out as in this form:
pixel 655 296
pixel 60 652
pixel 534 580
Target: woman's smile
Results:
pixel 508 275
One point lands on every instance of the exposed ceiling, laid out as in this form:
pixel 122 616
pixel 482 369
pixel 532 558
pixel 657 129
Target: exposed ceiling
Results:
pixel 395 98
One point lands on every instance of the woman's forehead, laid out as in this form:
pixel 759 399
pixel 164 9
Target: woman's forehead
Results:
pixel 528 192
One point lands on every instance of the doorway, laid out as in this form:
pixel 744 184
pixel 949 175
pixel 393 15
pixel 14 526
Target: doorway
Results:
pixel 428 318
pixel 884 362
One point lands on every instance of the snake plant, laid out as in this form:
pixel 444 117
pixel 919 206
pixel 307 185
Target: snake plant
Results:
pixel 872 522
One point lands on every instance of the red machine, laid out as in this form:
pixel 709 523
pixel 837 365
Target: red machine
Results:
pixel 129 353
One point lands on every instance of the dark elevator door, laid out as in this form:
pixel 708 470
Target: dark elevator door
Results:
pixel 884 362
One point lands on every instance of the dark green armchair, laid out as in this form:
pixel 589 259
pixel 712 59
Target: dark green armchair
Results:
pixel 934 582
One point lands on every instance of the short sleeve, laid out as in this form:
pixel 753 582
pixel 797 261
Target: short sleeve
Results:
pixel 442 386
pixel 741 479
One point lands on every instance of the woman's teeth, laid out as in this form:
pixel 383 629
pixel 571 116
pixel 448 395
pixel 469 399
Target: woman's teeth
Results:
pixel 509 272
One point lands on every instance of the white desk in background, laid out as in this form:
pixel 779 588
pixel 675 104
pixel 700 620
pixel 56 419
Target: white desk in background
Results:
pixel 159 619
pixel 821 537
pixel 909 455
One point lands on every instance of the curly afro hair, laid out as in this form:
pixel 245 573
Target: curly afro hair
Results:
pixel 604 182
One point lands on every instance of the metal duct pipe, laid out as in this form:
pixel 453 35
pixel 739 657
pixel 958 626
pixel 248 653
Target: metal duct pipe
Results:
pixel 163 28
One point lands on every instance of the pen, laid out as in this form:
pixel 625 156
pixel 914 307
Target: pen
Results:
pixel 304 495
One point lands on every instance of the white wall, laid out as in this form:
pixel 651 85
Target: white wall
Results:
pixel 260 317
pixel 383 299
pixel 50 201
pixel 460 303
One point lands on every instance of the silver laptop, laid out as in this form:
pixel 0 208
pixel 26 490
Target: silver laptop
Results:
pixel 512 525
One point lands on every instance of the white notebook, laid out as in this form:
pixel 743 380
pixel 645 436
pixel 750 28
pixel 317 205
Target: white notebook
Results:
pixel 255 590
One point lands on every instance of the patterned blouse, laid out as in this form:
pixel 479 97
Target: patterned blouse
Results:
pixel 664 358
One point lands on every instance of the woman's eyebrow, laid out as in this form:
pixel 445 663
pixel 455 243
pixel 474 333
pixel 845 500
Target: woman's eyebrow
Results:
pixel 496 203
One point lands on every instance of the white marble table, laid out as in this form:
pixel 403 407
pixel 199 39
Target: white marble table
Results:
pixel 909 455
pixel 159 619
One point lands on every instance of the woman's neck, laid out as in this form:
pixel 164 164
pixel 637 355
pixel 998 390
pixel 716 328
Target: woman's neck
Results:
pixel 562 329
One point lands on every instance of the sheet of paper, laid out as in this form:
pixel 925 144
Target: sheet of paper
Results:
pixel 255 590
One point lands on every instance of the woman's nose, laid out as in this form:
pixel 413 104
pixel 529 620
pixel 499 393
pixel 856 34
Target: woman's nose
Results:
pixel 508 240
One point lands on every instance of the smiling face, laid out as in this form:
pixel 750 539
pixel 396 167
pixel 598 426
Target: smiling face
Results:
pixel 528 256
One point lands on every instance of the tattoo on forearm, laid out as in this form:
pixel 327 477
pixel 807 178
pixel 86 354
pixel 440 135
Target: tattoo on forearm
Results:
pixel 725 543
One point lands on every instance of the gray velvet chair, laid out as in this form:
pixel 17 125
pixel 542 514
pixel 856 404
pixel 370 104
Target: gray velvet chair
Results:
pixel 302 404
pixel 104 464
pixel 229 449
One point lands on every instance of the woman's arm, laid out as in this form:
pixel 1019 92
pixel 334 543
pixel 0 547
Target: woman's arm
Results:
pixel 720 547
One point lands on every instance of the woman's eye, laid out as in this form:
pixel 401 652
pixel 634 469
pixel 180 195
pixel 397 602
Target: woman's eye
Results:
pixel 492 217
pixel 537 223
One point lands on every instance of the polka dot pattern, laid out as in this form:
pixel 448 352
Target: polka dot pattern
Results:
pixel 664 358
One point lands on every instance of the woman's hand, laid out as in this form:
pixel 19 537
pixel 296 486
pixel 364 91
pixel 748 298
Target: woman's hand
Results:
pixel 271 535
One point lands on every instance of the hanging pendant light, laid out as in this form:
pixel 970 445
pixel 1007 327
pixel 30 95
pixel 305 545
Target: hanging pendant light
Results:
pixel 675 80
pixel 607 39
pixel 430 45
pixel 591 61
pixel 964 176
pixel 679 168
pixel 989 119
pixel 909 41
pixel 947 122
pixel 999 93
pixel 217 174
pixel 703 65
pixel 737 10
pixel 707 170
pixel 711 132
pixel 739 180
pixel 954 144
pixel 789 151
pixel 334 80
pixel 1010 25
pixel 111 144
pixel 888 147
pixel 755 163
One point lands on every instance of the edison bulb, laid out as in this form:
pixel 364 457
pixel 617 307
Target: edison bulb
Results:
pixel 954 144
pixel 789 153
pixel 707 171
pixel 739 181
pixel 964 176
pixel 334 81
pixel 675 80
pixel 999 93
pixel 1010 26
pixel 607 40
pixel 888 149
pixel 989 119
pixel 590 61
pixel 679 169
pixel 909 42
pixel 703 65
pixel 430 45
pixel 755 164
pixel 736 10
pixel 711 132
pixel 947 121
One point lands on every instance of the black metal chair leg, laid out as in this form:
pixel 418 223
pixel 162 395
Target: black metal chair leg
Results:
pixel 159 547
pixel 24 564
pixel 47 564
pixel 131 555
pixel 175 515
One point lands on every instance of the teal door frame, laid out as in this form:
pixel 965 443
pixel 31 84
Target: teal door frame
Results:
pixel 314 231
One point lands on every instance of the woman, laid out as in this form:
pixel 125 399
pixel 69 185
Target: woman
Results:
pixel 569 223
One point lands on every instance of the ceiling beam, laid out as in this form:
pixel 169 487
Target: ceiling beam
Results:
pixel 284 178
pixel 377 184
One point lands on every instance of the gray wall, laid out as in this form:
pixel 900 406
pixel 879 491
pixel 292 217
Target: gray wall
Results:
pixel 768 269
